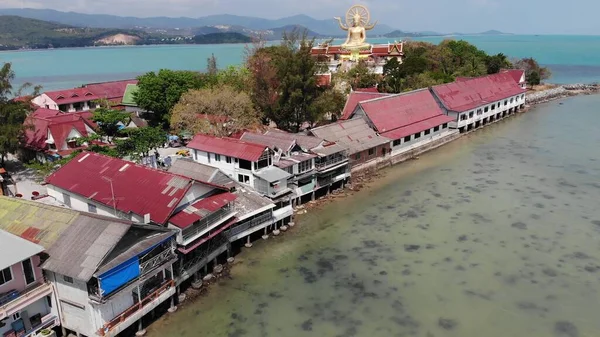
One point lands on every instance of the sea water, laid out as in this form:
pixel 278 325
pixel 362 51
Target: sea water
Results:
pixel 573 59
pixel 496 234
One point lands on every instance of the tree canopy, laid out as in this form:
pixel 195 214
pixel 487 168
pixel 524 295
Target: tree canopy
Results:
pixel 140 142
pixel 534 73
pixel 159 92
pixel 12 113
pixel 219 111
pixel 108 121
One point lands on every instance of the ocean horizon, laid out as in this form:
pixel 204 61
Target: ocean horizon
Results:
pixel 571 58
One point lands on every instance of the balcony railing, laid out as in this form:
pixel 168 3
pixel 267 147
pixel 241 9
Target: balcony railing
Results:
pixel 135 308
pixel 261 219
pixel 158 260
pixel 25 298
pixel 207 222
pixel 330 162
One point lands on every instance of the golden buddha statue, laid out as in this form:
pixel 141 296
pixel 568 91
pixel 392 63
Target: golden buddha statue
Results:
pixel 357 24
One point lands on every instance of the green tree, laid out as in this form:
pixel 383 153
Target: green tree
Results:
pixel 534 73
pixel 495 63
pixel 232 110
pixel 211 65
pixel 13 113
pixel 140 142
pixel 328 103
pixel 108 121
pixel 239 78
pixel 393 76
pixel 360 76
pixel 264 81
pixel 159 92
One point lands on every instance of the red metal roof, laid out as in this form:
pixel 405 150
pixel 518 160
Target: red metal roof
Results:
pixel 227 146
pixel 112 90
pixel 401 111
pixel 355 97
pixel 71 95
pixel 323 80
pixel 516 74
pixel 467 94
pixel 417 127
pixel 60 125
pixel 201 209
pixel 137 189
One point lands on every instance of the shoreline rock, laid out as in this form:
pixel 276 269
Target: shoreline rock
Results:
pixel 561 91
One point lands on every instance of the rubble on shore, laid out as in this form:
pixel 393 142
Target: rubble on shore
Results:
pixel 561 91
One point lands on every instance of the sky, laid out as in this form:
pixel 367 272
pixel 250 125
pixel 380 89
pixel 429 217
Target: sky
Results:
pixel 465 16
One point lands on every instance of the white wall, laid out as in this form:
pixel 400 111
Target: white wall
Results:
pixel 194 193
pixel 45 102
pixel 422 140
pixel 71 298
pixel 231 169
pixel 80 203
pixel 517 101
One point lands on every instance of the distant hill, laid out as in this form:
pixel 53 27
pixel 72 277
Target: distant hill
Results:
pixel 326 27
pixel 267 34
pixel 215 38
pixel 17 33
pixel 494 32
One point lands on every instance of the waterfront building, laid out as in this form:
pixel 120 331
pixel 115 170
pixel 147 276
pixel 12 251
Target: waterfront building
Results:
pixel 84 98
pixel 331 167
pixel 199 212
pixel 25 297
pixel 355 49
pixel 518 75
pixel 254 211
pixel 475 102
pixel 411 120
pixel 52 134
pixel 361 141
pixel 358 95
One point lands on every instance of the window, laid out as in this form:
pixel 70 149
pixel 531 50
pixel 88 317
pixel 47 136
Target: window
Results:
pixel 242 178
pixel 417 135
pixel 479 112
pixel 512 99
pixel 505 102
pixel 397 142
pixel 5 276
pixel 245 164
pixel 304 166
pixel 486 109
pixel 68 279
pixel 407 139
pixel 494 106
pixel 217 157
pixel 228 159
pixel 28 272
pixel 445 126
pixel 436 129
pixel 357 156
pixel 92 208
pixel 428 131
pixel 371 152
pixel 471 114
pixel 463 117
pixel 16 316
pixel 49 301
pixel 67 199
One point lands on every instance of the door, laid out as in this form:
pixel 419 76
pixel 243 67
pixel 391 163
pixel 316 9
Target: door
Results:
pixel 28 272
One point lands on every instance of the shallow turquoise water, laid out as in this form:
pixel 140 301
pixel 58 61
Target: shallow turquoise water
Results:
pixel 572 59
pixel 495 235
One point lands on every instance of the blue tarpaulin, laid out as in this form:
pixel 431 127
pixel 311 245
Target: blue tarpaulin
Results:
pixel 119 276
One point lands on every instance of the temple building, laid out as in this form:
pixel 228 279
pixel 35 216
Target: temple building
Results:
pixel 343 57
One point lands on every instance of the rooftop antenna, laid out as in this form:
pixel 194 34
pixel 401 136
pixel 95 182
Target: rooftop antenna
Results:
pixel 112 192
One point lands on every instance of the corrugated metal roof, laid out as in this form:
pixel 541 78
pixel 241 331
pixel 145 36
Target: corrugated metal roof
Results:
pixel 227 146
pixel 137 189
pixel 355 134
pixel 200 209
pixel 399 111
pixel 16 249
pixel 469 94
pixel 355 97
pixel 205 174
pixel 272 173
pixel 268 140
pixel 82 247
pixel 328 150
pixel 304 141
pixel 74 95
pixel 34 221
pixel 417 127
pixel 110 90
